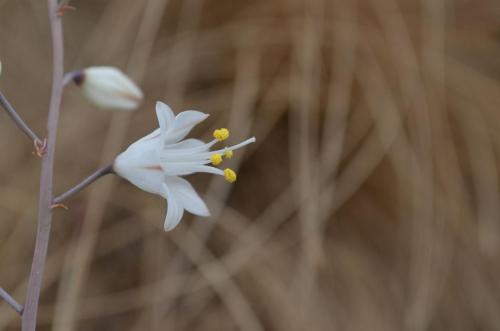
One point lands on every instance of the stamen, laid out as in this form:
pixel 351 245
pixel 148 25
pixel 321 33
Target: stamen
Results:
pixel 228 153
pixel 188 155
pixel 221 134
pixel 216 159
pixel 193 156
pixel 237 146
pixel 192 150
pixel 229 175
pixel 181 169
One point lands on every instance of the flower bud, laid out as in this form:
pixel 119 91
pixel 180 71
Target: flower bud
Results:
pixel 108 88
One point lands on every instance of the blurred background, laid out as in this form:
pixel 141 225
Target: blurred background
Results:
pixel 371 200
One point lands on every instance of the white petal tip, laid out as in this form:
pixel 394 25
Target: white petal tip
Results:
pixel 204 214
pixel 162 106
pixel 169 226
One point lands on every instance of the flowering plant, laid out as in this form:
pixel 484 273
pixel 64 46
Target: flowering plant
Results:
pixel 156 163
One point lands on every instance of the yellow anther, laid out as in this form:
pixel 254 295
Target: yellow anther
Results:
pixel 228 153
pixel 221 134
pixel 229 175
pixel 216 159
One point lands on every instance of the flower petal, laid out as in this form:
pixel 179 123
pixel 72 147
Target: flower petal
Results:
pixel 153 135
pixel 188 119
pixel 186 194
pixel 183 124
pixel 189 143
pixel 174 209
pixel 188 168
pixel 140 165
pixel 165 116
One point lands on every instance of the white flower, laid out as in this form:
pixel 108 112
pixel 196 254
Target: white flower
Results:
pixel 155 162
pixel 108 88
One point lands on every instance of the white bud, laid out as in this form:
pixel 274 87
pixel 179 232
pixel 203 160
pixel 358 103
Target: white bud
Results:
pixel 109 88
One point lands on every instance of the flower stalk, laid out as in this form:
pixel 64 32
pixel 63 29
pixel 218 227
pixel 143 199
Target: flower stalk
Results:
pixel 18 120
pixel 83 184
pixel 11 301
pixel 46 180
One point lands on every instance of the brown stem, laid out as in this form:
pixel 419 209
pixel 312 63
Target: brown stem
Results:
pixel 45 202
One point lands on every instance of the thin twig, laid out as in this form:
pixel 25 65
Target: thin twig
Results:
pixel 45 202
pixel 84 183
pixel 11 301
pixel 17 119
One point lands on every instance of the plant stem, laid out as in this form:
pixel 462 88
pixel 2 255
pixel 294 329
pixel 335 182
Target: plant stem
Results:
pixel 45 202
pixel 17 119
pixel 84 183
pixel 11 301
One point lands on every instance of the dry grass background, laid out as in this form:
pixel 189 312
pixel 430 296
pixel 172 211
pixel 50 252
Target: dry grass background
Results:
pixel 370 202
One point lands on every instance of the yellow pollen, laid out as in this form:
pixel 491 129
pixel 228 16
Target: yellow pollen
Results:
pixel 221 134
pixel 229 175
pixel 216 159
pixel 228 153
